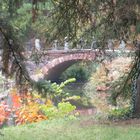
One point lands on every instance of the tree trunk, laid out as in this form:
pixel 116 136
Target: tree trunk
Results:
pixel 137 100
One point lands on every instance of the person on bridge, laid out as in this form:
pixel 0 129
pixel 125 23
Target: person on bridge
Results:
pixel 122 45
pixel 37 54
pixel 110 44
pixel 66 44
pixel 94 44
pixel 137 43
pixel 81 43
pixel 37 45
pixel 55 44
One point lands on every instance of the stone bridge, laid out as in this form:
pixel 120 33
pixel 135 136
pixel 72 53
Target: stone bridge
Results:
pixel 56 62
pixel 59 61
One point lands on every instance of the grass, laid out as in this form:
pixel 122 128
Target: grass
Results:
pixel 70 130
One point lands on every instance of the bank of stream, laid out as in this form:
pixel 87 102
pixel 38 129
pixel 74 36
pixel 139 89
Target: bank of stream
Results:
pixel 83 104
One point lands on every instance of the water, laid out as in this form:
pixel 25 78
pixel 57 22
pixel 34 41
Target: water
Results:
pixel 77 88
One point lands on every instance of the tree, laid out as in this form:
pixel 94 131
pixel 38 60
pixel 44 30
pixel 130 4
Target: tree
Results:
pixel 103 19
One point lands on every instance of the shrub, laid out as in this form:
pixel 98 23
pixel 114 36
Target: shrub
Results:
pixel 4 113
pixel 29 113
pixel 80 71
pixel 63 110
pixel 54 91
pixel 105 84
pixel 119 113
pixel 29 108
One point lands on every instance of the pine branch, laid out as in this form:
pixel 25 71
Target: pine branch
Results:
pixel 17 61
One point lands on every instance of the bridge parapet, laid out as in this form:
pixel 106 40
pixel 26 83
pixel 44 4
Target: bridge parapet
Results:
pixel 52 54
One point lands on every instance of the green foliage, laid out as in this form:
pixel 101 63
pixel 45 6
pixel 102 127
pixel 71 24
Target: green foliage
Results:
pixel 50 112
pixel 62 110
pixel 54 91
pixel 65 107
pixel 80 71
pixel 120 113
pixel 22 18
pixel 25 8
pixel 21 23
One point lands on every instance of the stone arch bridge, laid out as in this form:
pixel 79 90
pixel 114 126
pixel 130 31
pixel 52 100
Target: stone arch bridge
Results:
pixel 58 61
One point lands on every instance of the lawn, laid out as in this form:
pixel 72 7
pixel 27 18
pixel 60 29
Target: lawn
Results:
pixel 70 130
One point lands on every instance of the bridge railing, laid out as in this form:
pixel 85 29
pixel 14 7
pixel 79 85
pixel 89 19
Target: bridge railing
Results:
pixel 80 50
pixel 55 53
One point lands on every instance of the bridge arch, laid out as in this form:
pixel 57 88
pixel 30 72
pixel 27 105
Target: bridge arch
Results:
pixel 57 66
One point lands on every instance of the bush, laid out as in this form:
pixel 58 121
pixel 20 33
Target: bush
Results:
pixel 29 108
pixel 54 91
pixel 29 113
pixel 105 84
pixel 80 71
pixel 119 113
pixel 63 110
